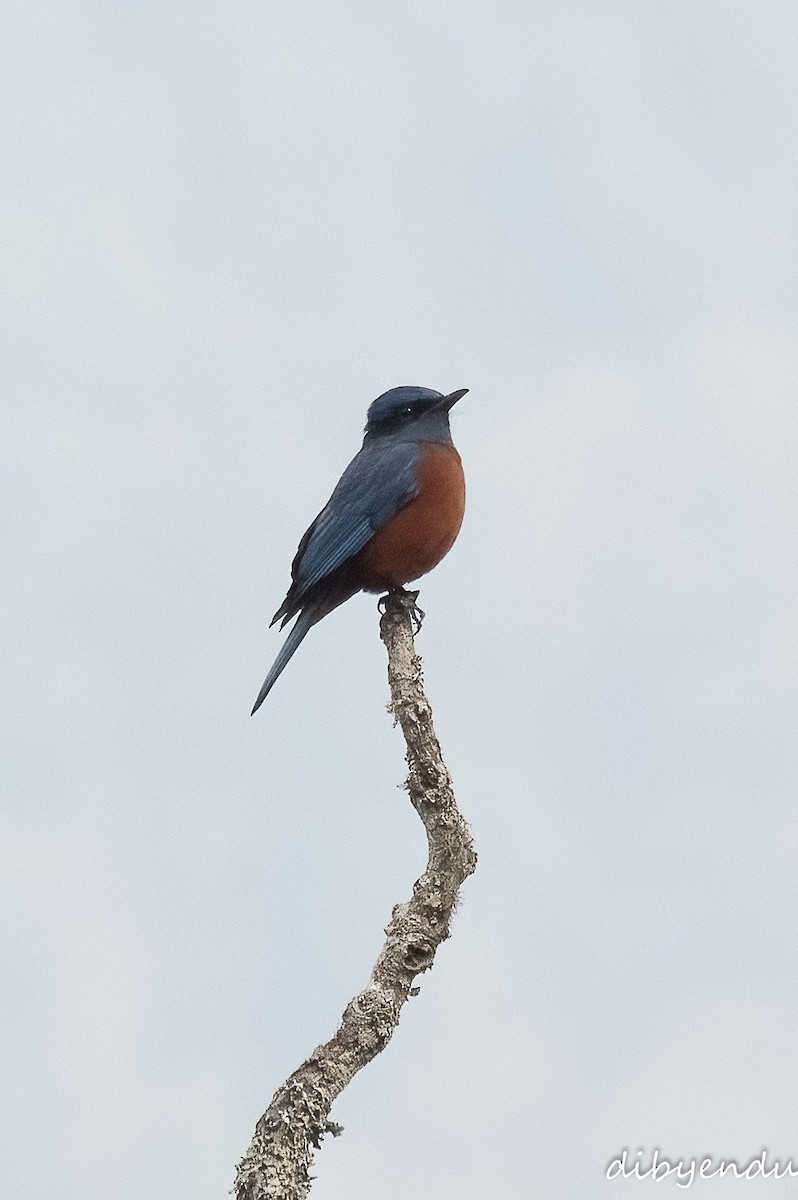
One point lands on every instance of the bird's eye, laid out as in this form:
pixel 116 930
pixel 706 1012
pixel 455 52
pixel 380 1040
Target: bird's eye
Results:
pixel 407 411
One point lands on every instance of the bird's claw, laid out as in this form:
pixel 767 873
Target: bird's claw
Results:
pixel 408 602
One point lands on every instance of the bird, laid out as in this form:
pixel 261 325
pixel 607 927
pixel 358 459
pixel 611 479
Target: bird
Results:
pixel 393 515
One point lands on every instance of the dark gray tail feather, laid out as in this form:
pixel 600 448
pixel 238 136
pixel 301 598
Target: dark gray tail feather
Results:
pixel 304 621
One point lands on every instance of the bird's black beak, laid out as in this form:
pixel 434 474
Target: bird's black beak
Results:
pixel 449 401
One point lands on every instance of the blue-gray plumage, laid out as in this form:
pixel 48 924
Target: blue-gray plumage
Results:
pixel 396 509
pixel 379 481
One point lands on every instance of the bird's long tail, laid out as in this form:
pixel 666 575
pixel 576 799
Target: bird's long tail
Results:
pixel 307 618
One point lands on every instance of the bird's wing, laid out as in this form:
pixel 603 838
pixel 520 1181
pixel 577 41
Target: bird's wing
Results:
pixel 379 481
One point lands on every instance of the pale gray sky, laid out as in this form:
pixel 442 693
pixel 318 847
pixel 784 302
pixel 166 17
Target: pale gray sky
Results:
pixel 226 228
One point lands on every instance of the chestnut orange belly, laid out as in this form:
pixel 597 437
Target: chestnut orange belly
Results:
pixel 417 538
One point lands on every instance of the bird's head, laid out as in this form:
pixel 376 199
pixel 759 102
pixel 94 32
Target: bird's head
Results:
pixel 415 412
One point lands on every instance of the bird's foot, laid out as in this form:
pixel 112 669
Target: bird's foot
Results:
pixel 407 600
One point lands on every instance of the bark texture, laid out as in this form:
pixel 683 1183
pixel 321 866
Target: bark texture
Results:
pixel 277 1163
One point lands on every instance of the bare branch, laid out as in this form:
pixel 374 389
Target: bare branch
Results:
pixel 277 1163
